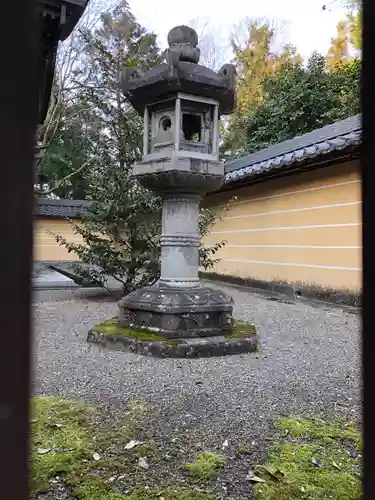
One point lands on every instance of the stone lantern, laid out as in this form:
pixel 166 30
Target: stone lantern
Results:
pixel 181 102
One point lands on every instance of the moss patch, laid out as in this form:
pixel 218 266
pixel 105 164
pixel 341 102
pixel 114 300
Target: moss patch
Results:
pixel 67 442
pixel 242 331
pixel 172 494
pixel 312 459
pixel 111 327
pixel 206 464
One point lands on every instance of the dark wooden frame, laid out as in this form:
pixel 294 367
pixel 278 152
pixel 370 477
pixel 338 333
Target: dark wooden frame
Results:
pixel 368 235
pixel 28 57
pixel 18 112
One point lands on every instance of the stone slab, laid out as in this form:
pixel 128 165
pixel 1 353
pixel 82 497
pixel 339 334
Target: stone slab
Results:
pixel 66 269
pixel 48 279
pixel 184 348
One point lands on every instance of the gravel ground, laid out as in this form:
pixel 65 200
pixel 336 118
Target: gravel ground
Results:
pixel 308 365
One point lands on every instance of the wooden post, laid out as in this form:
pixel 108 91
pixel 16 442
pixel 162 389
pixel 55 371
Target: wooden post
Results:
pixel 18 104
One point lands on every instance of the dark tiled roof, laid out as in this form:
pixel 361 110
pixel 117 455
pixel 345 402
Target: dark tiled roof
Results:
pixel 334 140
pixel 61 208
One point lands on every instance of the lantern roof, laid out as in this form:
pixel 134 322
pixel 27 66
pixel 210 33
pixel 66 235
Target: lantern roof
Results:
pixel 181 73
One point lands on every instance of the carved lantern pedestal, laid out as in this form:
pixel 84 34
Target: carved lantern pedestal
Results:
pixel 181 102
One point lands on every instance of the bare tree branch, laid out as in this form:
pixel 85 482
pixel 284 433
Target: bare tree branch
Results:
pixel 62 181
pixel 63 93
pixel 214 49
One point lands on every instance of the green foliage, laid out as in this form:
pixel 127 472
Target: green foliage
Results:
pixel 299 100
pixel 206 464
pixel 313 459
pixel 120 239
pixel 280 98
pixel 255 59
pixel 71 152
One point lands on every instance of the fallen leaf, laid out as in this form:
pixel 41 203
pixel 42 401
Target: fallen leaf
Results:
pixel 277 474
pixel 42 451
pixel 316 462
pixel 96 456
pixel 33 421
pixel 225 444
pixel 336 466
pixel 56 425
pixel 132 444
pixel 142 462
pixel 253 478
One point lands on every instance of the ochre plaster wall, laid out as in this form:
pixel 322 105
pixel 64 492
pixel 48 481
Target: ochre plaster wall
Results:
pixel 301 229
pixel 45 246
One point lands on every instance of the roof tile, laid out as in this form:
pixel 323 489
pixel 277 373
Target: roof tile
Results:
pixel 311 146
pixel 61 208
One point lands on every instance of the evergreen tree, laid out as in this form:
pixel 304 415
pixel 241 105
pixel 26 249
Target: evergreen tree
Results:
pixel 299 100
pixel 70 153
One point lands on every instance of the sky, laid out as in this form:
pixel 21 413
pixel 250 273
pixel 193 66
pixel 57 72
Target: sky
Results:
pixel 303 22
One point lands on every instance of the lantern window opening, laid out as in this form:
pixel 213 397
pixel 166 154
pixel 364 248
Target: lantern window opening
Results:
pixel 197 124
pixel 192 127
pixel 165 123
pixel 147 133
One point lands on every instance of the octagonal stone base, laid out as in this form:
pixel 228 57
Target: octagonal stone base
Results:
pixel 111 335
pixel 178 313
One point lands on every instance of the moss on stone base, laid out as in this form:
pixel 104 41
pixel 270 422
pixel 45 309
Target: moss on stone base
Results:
pixel 242 330
pixel 111 326
pixel 241 340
